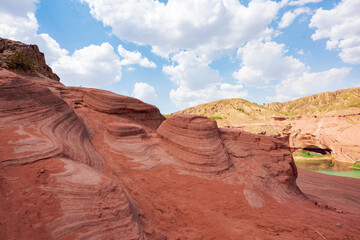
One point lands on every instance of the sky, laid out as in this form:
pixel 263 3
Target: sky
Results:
pixel 177 54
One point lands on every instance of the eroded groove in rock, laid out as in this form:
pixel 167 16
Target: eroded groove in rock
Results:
pixel 128 107
pixel 264 162
pixel 132 141
pixel 37 124
pixel 195 142
pixel 92 206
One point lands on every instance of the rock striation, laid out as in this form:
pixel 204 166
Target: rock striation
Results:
pixel 195 142
pixel 78 163
pixel 37 124
pixel 127 107
pixel 29 53
pixel 336 135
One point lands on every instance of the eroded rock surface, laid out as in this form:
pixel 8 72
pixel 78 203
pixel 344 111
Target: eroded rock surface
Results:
pixel 78 163
pixel 195 142
pixel 128 107
pixel 30 53
pixel 337 135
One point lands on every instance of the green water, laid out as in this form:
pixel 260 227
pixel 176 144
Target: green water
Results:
pixel 351 173
pixel 328 167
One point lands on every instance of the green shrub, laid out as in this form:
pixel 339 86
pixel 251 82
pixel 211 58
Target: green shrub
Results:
pixel 215 118
pixel 18 61
pixel 240 110
pixel 356 164
pixel 307 154
pixel 167 115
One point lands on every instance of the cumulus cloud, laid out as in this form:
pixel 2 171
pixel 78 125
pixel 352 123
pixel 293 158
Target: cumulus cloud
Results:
pixel 290 16
pixel 341 26
pixel 267 64
pixel 19 7
pixel 202 25
pixel 303 2
pixel 21 24
pixel 310 83
pixel 130 58
pixel 144 92
pixel 197 82
pixel 92 66
pixel 263 63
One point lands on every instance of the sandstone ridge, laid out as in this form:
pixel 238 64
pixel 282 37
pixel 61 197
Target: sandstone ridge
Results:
pixel 79 163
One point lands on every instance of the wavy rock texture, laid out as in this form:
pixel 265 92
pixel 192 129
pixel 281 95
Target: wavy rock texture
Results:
pixel 62 199
pixel 79 163
pixel 132 108
pixel 37 124
pixel 195 142
pixel 92 206
pixel 263 162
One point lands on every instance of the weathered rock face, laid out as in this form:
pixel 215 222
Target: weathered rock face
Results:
pixel 64 199
pixel 79 163
pixel 195 142
pixel 40 132
pixel 37 124
pixel 29 52
pixel 337 135
pixel 127 107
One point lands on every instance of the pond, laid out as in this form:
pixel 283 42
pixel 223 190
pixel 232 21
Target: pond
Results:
pixel 328 166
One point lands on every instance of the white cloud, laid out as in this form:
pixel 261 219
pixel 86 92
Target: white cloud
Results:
pixel 130 58
pixel 202 25
pixel 290 16
pixel 19 7
pixel 232 91
pixel 341 26
pixel 264 63
pixel 144 92
pixel 301 52
pixel 197 82
pixel 303 2
pixel 21 24
pixel 310 83
pixel 92 66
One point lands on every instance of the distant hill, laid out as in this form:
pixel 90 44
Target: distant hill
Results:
pixel 337 102
pixel 257 118
pixel 232 112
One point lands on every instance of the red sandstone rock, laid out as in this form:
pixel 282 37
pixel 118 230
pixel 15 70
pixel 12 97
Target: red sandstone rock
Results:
pixel 195 142
pixel 80 163
pixel 30 52
pixel 127 107
pixel 338 134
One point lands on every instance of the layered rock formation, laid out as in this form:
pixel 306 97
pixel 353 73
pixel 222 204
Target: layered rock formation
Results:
pixel 336 135
pixel 78 163
pixel 37 124
pixel 195 143
pixel 29 53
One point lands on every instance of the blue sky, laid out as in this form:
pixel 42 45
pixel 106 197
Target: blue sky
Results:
pixel 179 53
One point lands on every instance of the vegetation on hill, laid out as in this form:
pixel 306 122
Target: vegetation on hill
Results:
pixel 319 103
pixel 239 112
pixel 17 60
pixel 232 112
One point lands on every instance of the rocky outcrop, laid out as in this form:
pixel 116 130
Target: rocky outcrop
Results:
pixel 78 163
pixel 195 142
pixel 127 107
pixel 37 124
pixel 29 53
pixel 337 135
